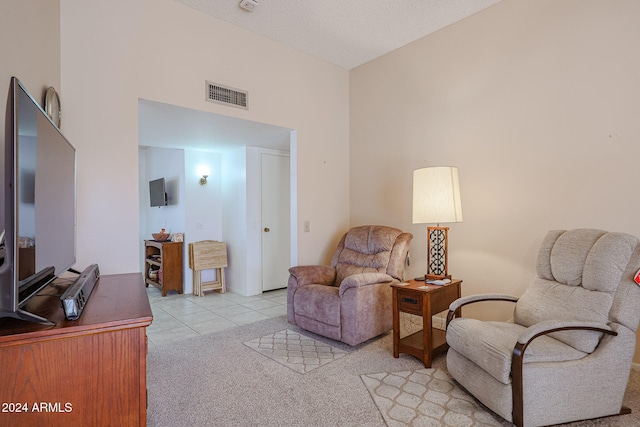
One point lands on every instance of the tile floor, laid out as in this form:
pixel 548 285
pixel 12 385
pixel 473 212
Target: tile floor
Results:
pixel 179 316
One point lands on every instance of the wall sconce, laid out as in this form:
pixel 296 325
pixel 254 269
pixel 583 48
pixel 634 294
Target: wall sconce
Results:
pixel 204 172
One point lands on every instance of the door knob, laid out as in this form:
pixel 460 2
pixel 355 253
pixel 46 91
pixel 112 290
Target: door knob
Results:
pixel 266 229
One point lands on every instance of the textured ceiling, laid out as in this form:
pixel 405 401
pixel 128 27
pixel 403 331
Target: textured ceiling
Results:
pixel 347 33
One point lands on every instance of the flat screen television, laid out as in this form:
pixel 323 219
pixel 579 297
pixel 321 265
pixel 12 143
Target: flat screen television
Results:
pixel 38 216
pixel 157 193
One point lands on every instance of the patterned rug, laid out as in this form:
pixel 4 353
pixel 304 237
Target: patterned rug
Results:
pixel 295 351
pixel 425 397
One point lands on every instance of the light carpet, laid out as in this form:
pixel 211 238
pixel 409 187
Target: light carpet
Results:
pixel 295 351
pixel 217 380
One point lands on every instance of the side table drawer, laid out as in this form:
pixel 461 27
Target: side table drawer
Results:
pixel 410 302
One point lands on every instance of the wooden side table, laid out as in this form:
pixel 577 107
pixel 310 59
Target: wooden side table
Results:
pixel 415 297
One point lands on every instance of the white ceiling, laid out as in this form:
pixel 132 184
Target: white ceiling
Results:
pixel 347 33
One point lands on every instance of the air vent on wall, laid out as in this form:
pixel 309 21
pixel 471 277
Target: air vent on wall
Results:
pixel 226 95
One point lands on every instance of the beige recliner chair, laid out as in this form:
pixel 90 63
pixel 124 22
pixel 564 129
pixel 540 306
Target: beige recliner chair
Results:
pixel 567 354
pixel 350 300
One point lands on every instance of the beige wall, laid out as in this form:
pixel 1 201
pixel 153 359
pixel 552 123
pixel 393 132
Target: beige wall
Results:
pixel 115 52
pixel 536 103
pixel 29 48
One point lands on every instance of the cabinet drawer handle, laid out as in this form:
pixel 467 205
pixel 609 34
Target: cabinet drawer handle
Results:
pixel 410 300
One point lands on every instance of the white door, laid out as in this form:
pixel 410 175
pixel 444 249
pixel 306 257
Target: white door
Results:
pixel 276 221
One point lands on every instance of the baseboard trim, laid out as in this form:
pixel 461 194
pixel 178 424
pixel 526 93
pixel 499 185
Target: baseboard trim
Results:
pixel 635 366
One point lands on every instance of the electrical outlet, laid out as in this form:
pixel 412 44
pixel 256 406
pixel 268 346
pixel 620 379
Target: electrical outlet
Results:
pixel 307 226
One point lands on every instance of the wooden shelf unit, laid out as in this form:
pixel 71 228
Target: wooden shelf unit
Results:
pixel 85 372
pixel 165 258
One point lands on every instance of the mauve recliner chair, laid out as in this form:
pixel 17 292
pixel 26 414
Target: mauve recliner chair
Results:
pixel 350 300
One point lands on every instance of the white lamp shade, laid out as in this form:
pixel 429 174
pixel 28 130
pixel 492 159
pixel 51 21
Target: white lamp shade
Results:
pixel 436 195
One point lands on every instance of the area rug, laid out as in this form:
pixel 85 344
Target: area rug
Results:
pixel 295 351
pixel 425 397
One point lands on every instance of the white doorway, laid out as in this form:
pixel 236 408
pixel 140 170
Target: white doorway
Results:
pixel 233 212
pixel 276 220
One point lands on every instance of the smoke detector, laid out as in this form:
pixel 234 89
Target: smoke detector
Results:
pixel 249 4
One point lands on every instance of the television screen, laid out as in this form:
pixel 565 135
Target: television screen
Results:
pixel 39 214
pixel 157 193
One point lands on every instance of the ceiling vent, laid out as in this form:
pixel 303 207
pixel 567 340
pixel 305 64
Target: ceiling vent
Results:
pixel 226 95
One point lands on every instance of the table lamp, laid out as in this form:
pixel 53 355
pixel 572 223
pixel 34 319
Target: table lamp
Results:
pixel 436 199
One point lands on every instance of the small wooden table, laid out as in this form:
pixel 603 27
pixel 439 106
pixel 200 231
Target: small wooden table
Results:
pixel 208 255
pixel 415 297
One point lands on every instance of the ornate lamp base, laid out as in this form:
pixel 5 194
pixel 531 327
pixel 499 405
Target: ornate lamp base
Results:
pixel 437 261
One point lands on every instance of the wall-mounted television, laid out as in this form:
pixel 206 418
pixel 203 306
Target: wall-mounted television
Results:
pixel 157 192
pixel 38 216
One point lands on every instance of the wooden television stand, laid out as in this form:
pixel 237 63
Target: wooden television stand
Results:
pixel 86 372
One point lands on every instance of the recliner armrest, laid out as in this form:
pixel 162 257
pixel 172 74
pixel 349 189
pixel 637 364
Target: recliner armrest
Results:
pixel 460 302
pixel 364 279
pixel 455 305
pixel 313 274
